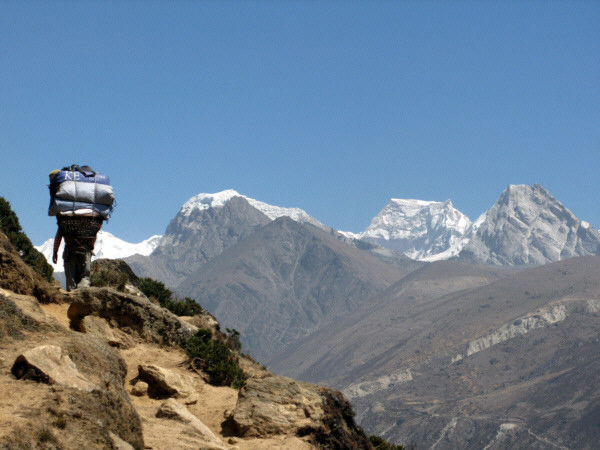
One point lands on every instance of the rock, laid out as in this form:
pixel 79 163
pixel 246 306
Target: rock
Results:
pixel 172 409
pixel 163 383
pixel 117 266
pixel 277 405
pixel 117 274
pixel 282 406
pixel 139 389
pixel 118 443
pixel 137 314
pixel 50 364
pixel 100 328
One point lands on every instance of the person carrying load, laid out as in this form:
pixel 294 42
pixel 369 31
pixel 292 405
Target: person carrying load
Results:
pixel 81 200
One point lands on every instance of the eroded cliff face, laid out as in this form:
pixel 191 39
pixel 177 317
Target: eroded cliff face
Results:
pixel 100 368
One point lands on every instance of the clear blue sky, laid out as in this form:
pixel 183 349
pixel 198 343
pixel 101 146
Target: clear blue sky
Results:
pixel 334 107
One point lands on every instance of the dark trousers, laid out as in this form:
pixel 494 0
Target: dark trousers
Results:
pixel 77 267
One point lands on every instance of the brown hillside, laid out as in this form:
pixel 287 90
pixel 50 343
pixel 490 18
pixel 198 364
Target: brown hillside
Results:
pixel 121 380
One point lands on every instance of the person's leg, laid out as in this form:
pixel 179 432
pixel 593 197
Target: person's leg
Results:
pixel 70 264
pixel 85 264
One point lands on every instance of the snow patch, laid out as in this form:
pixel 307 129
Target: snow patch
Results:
pixel 205 201
pixel 107 246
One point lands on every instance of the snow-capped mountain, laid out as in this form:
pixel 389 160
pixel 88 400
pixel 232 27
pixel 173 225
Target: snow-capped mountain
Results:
pixel 205 226
pixel 205 201
pixel 422 230
pixel 527 225
pixel 107 246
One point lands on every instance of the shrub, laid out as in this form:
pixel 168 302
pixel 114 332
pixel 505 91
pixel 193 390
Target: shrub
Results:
pixel 233 339
pixel 216 359
pixel 379 443
pixel 9 224
pixel 164 296
pixel 186 307
pixel 109 277
pixel 156 289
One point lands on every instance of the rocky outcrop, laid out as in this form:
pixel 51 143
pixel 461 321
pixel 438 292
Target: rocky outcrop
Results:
pixel 99 327
pixel 163 383
pixel 133 314
pixel 86 403
pixel 50 364
pixel 280 406
pixel 172 409
pixel 117 274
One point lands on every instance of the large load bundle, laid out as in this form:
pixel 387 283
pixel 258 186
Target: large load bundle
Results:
pixel 80 191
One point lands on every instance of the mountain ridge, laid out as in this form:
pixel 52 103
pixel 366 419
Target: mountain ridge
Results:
pixel 283 281
pixel 422 230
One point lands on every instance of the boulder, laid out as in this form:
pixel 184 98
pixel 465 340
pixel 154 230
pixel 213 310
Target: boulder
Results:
pixel 50 364
pixel 172 409
pixel 131 313
pixel 163 383
pixel 118 443
pixel 139 389
pixel 100 328
pixel 282 406
pixel 117 274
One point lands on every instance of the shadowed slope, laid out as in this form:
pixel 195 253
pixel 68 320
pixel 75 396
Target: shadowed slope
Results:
pixel 284 282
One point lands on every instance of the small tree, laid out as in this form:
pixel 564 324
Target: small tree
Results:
pixel 233 339
pixel 215 359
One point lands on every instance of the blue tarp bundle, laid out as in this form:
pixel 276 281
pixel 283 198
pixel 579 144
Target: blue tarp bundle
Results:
pixel 80 192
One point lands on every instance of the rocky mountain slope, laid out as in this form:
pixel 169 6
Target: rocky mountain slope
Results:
pixel 198 233
pixel 208 224
pixel 527 225
pixel 422 230
pixel 285 281
pixel 344 352
pixel 457 356
pixel 100 368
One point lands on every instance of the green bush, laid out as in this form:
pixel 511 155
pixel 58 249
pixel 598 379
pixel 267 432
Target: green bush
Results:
pixel 233 339
pixel 379 443
pixel 156 289
pixel 9 224
pixel 111 278
pixel 217 360
pixel 186 307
